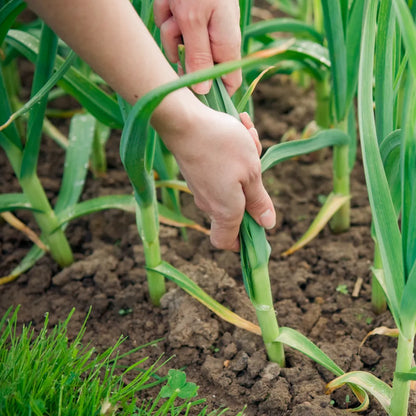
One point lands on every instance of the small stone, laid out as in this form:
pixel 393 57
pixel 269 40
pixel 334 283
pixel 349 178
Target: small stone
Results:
pixel 230 351
pixel 239 363
pixel 271 371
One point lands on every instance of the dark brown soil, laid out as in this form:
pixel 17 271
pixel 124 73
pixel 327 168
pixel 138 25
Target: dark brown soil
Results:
pixel 228 364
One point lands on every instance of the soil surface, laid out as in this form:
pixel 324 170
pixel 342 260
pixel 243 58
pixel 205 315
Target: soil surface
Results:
pixel 312 288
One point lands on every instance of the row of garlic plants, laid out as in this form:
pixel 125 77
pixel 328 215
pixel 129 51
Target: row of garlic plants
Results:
pixel 138 143
pixel 335 72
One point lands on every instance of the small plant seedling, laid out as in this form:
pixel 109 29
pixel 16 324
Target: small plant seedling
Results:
pixel 126 311
pixel 177 386
pixel 347 400
pixel 342 289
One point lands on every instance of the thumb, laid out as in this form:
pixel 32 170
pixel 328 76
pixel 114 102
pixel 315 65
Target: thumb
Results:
pixel 259 205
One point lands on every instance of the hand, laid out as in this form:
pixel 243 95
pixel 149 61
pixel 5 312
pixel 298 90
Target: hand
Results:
pixel 210 31
pixel 219 158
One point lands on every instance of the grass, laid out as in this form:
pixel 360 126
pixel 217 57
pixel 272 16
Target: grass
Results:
pixel 48 374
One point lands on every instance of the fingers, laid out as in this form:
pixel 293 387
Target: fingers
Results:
pixel 225 230
pixel 248 124
pixel 224 235
pixel 161 11
pixel 225 35
pixel 226 210
pixel 171 37
pixel 210 31
pixel 198 50
pixel 259 205
pixel 258 202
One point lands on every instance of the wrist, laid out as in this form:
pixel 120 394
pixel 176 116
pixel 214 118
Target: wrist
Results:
pixel 176 115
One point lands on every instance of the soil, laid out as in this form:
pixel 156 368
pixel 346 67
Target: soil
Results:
pixel 229 364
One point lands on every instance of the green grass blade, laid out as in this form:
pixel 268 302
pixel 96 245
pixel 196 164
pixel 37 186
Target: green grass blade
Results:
pixel 294 26
pixel 34 254
pixel 390 144
pixel 304 55
pixel 190 287
pixel 390 155
pixel 11 133
pixel 285 151
pixel 228 104
pixel 170 216
pixel 408 31
pixel 352 132
pixel 125 107
pixel 11 202
pixel 244 101
pixel 122 202
pixel 81 135
pixel 408 304
pixel 43 91
pixel 408 177
pixel 96 101
pixel 214 99
pixel 299 342
pixel 384 90
pixel 353 40
pixel 289 7
pixel 334 29
pixel 98 159
pixel 407 376
pixel 167 169
pixel 300 51
pixel 344 6
pixel 43 69
pixel 8 14
pixel 245 20
pixel 332 204
pixel 380 390
pixel 384 214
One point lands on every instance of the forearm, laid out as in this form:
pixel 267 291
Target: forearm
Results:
pixel 112 39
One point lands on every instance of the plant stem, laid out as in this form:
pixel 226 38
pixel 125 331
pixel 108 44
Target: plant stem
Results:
pixel 401 388
pixel 98 158
pixel 322 112
pixel 148 226
pixel 341 220
pixel 52 234
pixel 378 299
pixel 45 216
pixel 266 314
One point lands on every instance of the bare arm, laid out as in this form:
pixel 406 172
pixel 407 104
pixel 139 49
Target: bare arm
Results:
pixel 216 154
pixel 110 36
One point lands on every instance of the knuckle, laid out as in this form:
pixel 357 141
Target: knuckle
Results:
pixel 225 218
pixel 220 244
pixel 168 29
pixel 203 204
pixel 188 14
pixel 256 203
pixel 233 81
pixel 253 172
pixel 199 58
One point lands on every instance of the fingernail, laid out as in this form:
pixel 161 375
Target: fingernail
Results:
pixel 254 132
pixel 202 87
pixel 267 219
